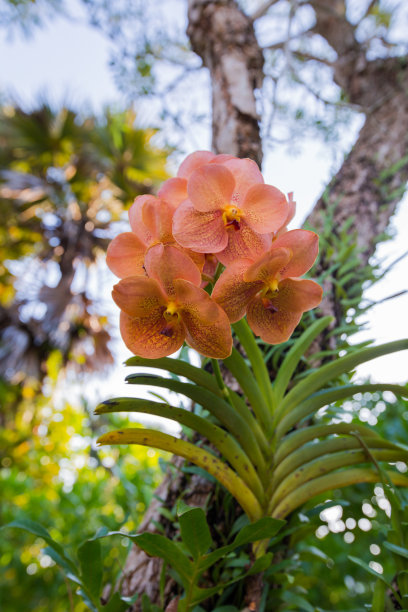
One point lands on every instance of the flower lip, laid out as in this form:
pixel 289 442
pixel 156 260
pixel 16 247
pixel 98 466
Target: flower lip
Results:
pixel 232 216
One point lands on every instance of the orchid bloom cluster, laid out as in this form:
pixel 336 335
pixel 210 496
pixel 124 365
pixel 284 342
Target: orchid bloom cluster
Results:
pixel 211 248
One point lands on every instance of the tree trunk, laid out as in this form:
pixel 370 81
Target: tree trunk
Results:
pixel 367 187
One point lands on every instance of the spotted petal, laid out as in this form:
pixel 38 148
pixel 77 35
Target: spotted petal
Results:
pixel 157 217
pixel 265 208
pixel 125 255
pixel 203 232
pixel 304 246
pixel 145 337
pixel 136 219
pixel 206 325
pixel 166 263
pixel 243 243
pixel 246 173
pixel 231 291
pixel 139 296
pixel 275 318
pixel 268 267
pixel 210 187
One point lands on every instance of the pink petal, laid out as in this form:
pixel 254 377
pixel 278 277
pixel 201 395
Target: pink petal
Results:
pixel 157 217
pixel 298 294
pixel 268 267
pixel 194 161
pixel 207 327
pixel 139 296
pixel 243 243
pixel 232 292
pixel 151 337
pixel 304 246
pixel 136 221
pixel 210 187
pixel 203 232
pixel 125 255
pixel 167 263
pixel 272 326
pixel 265 208
pixel 246 173
pixel 174 191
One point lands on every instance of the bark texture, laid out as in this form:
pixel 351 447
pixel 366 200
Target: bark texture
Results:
pixel 223 36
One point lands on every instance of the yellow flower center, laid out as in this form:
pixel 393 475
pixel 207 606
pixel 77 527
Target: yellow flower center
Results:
pixel 232 216
pixel 171 317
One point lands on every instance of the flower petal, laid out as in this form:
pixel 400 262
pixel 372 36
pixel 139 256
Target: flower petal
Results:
pixel 243 244
pixel 210 187
pixel 167 263
pixel 246 173
pixel 203 232
pixel 136 220
pixel 194 161
pixel 231 291
pixel 265 208
pixel 157 217
pixel 174 191
pixel 298 294
pixel 272 326
pixel 268 267
pixel 304 246
pixel 139 296
pixel 145 337
pixel 206 325
pixel 125 255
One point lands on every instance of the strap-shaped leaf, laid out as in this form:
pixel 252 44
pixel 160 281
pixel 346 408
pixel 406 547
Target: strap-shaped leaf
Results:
pixel 221 439
pixel 328 396
pixel 256 358
pixel 307 453
pixel 204 459
pixel 295 354
pixel 218 407
pixel 329 463
pixel 204 380
pixel 333 370
pixel 180 368
pixel 299 437
pixel 329 482
pixel 238 367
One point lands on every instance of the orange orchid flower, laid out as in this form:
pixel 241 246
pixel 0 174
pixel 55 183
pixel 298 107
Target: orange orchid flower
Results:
pixel 166 308
pixel 229 211
pixel 268 289
pixel 151 223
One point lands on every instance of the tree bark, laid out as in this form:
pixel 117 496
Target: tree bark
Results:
pixel 367 187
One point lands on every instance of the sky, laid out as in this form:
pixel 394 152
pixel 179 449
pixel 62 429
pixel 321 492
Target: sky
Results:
pixel 67 63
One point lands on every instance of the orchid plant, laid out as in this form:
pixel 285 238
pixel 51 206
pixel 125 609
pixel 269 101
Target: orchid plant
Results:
pixel 210 262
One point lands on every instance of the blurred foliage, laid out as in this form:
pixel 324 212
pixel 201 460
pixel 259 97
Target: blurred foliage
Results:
pixel 66 181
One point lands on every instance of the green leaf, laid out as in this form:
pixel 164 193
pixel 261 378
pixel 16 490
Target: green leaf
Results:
pixel 206 460
pixel 398 550
pixel 328 396
pixel 295 354
pixel 263 529
pixel 62 562
pixel 368 569
pixel 218 407
pixel 119 604
pixel 38 530
pixel 90 562
pixel 261 564
pixel 224 442
pixel 195 532
pixel 299 603
pixel 378 602
pixel 157 545
pixel 333 370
